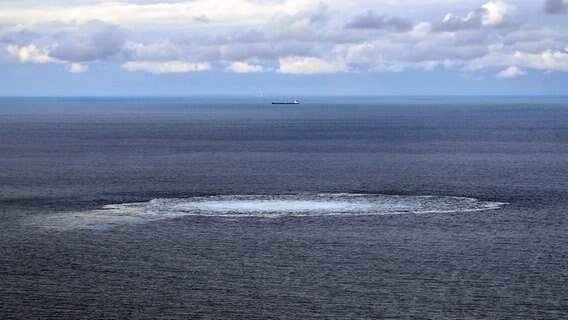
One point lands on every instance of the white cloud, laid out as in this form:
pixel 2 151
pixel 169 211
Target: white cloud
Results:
pixel 243 67
pixel 488 15
pixel 310 65
pixel 501 56
pixel 302 36
pixel 30 53
pixel 548 60
pixel 496 11
pixel 511 72
pixel 155 51
pixel 153 14
pixel 165 67
pixel 421 30
pixel 77 68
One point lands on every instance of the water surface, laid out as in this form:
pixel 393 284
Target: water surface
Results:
pixel 234 208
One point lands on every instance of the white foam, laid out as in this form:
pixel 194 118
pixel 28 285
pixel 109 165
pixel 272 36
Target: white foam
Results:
pixel 265 206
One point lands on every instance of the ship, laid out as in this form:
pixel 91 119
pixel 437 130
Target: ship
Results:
pixel 287 102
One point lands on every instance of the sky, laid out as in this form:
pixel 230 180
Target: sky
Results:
pixel 283 47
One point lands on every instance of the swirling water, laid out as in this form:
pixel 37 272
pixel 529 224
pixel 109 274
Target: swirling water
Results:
pixel 268 206
pixel 233 208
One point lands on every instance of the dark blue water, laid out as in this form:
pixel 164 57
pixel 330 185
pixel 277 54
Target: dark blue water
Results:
pixel 63 159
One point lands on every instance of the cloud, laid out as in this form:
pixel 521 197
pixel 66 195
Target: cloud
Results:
pixel 202 18
pixel 246 36
pixel 94 40
pixel 416 50
pixel 502 56
pixel 489 14
pixel 243 67
pixel 162 51
pixel 555 6
pixel 77 68
pixel 495 12
pixel 511 72
pixel 371 20
pixel 548 60
pixel 30 53
pixel 310 65
pixel 303 25
pixel 20 37
pixel 284 36
pixel 160 14
pixel 165 67
pixel 455 23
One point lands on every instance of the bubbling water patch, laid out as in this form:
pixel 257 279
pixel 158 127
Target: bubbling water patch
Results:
pixel 265 206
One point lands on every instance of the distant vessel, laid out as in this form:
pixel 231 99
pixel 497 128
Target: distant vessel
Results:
pixel 293 102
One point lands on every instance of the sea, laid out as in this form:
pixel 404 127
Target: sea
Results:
pixel 234 208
